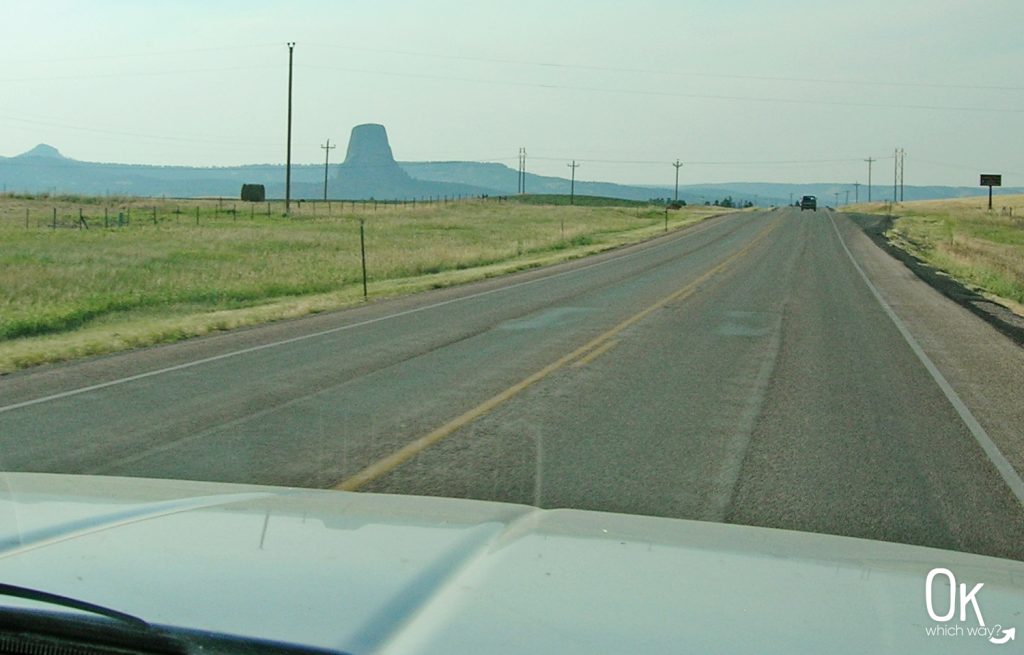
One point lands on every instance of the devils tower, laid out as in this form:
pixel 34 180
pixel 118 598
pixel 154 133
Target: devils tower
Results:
pixel 370 169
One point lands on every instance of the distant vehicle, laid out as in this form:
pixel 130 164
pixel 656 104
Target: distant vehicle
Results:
pixel 809 202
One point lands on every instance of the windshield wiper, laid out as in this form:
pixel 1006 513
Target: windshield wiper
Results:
pixel 34 631
pixel 27 593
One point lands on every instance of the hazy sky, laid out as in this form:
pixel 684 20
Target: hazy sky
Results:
pixel 738 90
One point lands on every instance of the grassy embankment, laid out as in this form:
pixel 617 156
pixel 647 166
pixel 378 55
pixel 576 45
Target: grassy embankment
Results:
pixel 68 291
pixel 982 249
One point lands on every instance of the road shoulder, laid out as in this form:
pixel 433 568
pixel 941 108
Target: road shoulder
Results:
pixel 1000 317
pixel 983 365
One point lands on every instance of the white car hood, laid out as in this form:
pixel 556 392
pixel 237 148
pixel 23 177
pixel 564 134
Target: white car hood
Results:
pixel 398 574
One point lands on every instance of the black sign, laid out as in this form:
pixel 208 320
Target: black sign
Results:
pixel 991 180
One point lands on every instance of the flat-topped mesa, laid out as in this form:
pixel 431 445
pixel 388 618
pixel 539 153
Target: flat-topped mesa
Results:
pixel 370 169
pixel 368 146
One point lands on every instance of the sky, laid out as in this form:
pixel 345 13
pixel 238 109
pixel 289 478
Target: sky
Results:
pixel 796 91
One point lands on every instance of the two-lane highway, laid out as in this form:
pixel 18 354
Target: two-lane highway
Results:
pixel 744 370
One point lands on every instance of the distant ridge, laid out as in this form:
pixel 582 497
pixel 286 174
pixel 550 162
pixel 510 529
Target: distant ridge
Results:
pixel 370 171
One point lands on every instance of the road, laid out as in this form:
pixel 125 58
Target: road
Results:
pixel 747 370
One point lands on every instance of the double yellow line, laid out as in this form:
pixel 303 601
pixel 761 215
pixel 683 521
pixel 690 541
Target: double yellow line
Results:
pixel 581 356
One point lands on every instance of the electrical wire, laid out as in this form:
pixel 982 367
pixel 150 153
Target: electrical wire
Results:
pixel 670 94
pixel 655 71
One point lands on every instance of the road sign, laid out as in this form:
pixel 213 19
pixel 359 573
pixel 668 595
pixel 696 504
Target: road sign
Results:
pixel 991 181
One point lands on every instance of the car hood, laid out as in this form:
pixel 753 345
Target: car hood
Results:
pixel 398 574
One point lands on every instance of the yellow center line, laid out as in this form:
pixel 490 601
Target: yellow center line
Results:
pixel 595 353
pixel 594 347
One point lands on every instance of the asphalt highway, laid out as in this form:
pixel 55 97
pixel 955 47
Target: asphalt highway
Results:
pixel 747 370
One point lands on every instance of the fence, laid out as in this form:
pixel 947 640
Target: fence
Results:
pixel 83 213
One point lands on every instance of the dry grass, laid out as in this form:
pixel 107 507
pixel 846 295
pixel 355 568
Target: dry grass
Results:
pixel 70 291
pixel 982 249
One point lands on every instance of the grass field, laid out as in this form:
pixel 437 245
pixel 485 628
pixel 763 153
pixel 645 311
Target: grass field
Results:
pixel 138 271
pixel 983 249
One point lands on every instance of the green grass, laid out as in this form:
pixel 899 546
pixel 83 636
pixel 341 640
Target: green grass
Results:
pixel 70 291
pixel 982 249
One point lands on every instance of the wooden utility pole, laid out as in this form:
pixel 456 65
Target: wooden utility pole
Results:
pixel 678 164
pixel 572 185
pixel 288 161
pixel 869 160
pixel 327 157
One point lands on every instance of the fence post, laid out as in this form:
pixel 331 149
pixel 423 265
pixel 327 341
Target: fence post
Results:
pixel 55 218
pixel 362 252
pixel 106 218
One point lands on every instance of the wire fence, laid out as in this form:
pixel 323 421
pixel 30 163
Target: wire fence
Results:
pixel 87 213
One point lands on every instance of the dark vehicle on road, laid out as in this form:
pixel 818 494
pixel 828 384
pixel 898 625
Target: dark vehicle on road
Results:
pixel 809 202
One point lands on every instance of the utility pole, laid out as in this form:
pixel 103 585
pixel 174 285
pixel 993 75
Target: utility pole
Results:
pixel 896 175
pixel 327 157
pixel 847 197
pixel 836 193
pixel 288 164
pixel 902 156
pixel 519 174
pixel 522 171
pixel 856 191
pixel 572 185
pixel 678 164
pixel 869 160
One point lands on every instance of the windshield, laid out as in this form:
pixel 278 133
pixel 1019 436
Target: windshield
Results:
pixel 678 260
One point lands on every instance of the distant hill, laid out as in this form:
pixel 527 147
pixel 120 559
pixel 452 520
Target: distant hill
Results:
pixel 44 169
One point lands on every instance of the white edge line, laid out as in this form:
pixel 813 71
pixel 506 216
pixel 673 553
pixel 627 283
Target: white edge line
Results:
pixel 1006 470
pixel 341 328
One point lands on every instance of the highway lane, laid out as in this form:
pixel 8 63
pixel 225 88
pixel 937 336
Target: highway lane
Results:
pixel 740 371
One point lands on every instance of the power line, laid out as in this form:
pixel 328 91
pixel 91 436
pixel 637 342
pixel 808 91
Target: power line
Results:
pixel 83 128
pixel 133 55
pixel 654 71
pixel 99 76
pixel 672 94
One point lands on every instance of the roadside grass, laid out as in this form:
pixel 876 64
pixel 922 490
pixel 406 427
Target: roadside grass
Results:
pixel 982 249
pixel 167 273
